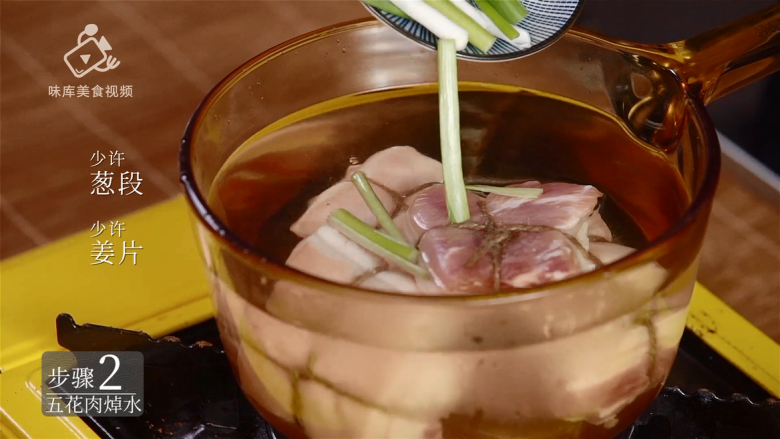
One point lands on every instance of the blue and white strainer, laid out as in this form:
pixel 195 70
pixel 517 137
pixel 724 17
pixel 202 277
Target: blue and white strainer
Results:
pixel 545 22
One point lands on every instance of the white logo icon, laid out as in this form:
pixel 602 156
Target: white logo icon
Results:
pixel 90 49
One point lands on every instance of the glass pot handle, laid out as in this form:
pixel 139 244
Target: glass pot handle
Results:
pixel 732 56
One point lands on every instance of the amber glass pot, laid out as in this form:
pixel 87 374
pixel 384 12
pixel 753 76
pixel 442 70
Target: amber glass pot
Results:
pixel 580 358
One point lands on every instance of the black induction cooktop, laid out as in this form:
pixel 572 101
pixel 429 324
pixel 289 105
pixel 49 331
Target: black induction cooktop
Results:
pixel 190 391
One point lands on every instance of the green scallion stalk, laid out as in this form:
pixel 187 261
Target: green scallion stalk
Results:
pixel 367 233
pixel 504 26
pixel 365 236
pixel 518 192
pixel 512 10
pixel 386 6
pixel 519 8
pixel 449 133
pixel 375 204
pixel 392 238
pixel 478 35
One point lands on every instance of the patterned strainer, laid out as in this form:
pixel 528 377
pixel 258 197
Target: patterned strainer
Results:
pixel 546 22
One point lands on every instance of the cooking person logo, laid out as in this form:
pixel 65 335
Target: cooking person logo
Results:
pixel 90 53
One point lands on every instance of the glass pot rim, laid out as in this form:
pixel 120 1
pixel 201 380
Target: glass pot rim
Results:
pixel 207 218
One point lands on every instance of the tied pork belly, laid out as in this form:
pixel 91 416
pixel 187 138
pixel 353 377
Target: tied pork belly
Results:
pixel 509 242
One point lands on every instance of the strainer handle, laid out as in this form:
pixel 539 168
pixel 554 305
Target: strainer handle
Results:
pixel 730 57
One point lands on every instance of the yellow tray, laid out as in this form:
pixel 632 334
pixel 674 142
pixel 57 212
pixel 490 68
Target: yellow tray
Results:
pixel 167 291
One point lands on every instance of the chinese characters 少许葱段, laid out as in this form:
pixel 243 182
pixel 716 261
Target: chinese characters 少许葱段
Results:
pixel 104 253
pixel 103 181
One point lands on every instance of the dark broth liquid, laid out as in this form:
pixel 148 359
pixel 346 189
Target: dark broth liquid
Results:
pixel 507 137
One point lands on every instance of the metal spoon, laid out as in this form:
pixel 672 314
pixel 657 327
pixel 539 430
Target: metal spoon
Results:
pixel 546 22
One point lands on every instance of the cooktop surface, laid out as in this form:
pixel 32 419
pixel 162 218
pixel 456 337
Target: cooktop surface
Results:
pixel 190 391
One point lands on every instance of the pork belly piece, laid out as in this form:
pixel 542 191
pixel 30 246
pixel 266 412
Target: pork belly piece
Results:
pixel 392 281
pixel 399 168
pixel 427 209
pixel 327 414
pixel 378 391
pixel 299 375
pixel 344 389
pixel 597 228
pixel 419 384
pixel 329 255
pixel 342 195
pixel 527 259
pixel 266 382
pixel 539 258
pixel 608 252
pixel 447 253
pixel 561 205
pixel 590 375
pixel 260 363
pixel 332 256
